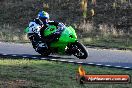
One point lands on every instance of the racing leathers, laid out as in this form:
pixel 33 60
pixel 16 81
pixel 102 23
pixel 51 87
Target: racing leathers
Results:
pixel 34 33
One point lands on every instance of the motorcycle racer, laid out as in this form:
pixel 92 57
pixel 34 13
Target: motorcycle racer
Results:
pixel 50 37
pixel 35 27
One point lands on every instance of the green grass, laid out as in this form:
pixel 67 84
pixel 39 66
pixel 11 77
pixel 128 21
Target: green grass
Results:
pixel 109 42
pixel 24 73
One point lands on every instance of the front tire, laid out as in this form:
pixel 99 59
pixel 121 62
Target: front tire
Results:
pixel 79 50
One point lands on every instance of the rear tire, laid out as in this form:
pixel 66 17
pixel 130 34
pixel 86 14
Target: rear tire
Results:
pixel 79 50
pixel 43 51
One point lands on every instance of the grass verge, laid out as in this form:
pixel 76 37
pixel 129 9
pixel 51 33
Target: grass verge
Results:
pixel 24 73
pixel 108 42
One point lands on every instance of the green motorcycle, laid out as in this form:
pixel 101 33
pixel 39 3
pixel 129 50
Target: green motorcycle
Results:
pixel 63 41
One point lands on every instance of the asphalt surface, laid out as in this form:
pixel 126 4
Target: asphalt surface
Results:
pixel 105 57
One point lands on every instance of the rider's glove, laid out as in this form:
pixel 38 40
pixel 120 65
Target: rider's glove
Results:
pixel 60 25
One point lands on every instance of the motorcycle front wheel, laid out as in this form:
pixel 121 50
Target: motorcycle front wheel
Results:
pixel 79 50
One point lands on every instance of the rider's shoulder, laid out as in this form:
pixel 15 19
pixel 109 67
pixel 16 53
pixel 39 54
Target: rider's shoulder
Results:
pixel 36 19
pixel 32 23
pixel 51 21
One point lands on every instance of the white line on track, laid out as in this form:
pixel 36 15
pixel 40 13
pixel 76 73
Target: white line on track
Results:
pixel 43 58
pixel 108 65
pixel 34 57
pixel 126 67
pixel 70 61
pixel 118 66
pixel 14 55
pixel 90 63
pixel 4 54
pixel 99 64
pixel 24 56
pixel 62 60
pixel 79 62
pixel 53 59
pixel 75 62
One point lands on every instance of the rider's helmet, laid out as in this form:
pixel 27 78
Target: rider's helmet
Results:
pixel 43 16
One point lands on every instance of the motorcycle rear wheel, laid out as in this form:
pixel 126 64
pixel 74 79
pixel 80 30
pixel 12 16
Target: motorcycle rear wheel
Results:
pixel 44 52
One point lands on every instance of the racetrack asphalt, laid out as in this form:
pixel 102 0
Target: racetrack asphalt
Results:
pixel 98 57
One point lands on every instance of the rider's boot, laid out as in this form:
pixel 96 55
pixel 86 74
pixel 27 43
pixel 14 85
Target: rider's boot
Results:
pixel 41 47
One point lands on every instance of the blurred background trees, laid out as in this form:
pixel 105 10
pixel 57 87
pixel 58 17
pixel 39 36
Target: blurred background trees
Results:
pixel 90 18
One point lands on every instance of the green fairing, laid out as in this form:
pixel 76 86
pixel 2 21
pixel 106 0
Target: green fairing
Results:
pixel 26 30
pixel 67 36
pixel 49 30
